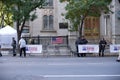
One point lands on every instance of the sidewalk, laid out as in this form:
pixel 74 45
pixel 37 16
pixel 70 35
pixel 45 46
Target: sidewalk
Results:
pixel 59 55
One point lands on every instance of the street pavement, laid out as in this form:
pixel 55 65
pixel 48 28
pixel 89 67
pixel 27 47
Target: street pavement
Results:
pixel 59 68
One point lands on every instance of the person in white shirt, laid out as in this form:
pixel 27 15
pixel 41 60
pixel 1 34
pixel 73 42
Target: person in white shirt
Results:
pixel 22 44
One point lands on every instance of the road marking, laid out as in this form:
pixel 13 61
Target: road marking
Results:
pixel 53 64
pixel 68 76
pixel 4 59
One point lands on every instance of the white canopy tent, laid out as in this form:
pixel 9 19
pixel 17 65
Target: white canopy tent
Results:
pixel 6 35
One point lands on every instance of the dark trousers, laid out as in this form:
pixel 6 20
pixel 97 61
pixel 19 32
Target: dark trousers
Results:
pixel 14 52
pixel 78 54
pixel 101 51
pixel 0 54
pixel 83 54
pixel 23 50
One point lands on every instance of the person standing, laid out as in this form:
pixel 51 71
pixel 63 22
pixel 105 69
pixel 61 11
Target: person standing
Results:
pixel 102 44
pixel 76 45
pixel 83 41
pixel 0 51
pixel 14 46
pixel 22 44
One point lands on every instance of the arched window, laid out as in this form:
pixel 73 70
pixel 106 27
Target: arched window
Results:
pixel 45 21
pixel 51 21
pixel 48 22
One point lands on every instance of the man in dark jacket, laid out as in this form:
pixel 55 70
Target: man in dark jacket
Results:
pixel 102 45
pixel 83 41
pixel 76 44
pixel 14 46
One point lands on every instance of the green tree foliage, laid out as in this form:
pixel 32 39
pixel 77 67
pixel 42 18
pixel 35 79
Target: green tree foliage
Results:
pixel 5 16
pixel 78 10
pixel 23 10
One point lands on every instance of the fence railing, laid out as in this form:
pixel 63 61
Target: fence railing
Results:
pixel 47 40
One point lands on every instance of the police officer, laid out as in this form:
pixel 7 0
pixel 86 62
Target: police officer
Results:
pixel 76 44
pixel 83 41
pixel 14 46
pixel 102 44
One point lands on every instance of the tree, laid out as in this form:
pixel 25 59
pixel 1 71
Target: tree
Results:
pixel 22 11
pixel 78 10
pixel 5 16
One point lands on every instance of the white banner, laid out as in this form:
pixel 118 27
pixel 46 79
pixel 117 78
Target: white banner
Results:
pixel 33 48
pixel 114 48
pixel 88 48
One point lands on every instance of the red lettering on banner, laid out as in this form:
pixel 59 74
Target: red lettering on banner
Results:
pixel 90 48
pixel 32 48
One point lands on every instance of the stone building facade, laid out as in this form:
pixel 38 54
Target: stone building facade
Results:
pixel 50 22
pixel 110 23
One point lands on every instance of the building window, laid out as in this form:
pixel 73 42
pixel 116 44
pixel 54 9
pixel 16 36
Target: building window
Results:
pixel 45 24
pixel 25 29
pixel 49 3
pixel 48 22
pixel 63 25
pixel 51 21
